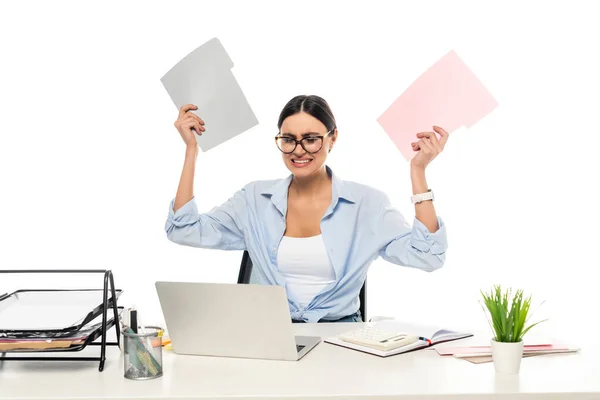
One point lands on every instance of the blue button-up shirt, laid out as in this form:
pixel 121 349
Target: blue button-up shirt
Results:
pixel 359 226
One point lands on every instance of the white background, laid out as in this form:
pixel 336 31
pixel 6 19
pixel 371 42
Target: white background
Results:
pixel 89 157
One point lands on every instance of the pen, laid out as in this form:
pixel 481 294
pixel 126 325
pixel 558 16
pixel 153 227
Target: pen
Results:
pixel 393 338
pixel 133 322
pixel 425 339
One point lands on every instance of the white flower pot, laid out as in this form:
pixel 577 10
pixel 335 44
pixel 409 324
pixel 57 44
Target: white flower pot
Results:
pixel 507 356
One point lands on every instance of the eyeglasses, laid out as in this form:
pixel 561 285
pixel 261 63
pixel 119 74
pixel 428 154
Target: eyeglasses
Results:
pixel 310 144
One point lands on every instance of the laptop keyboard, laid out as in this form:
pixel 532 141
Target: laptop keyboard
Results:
pixel 299 347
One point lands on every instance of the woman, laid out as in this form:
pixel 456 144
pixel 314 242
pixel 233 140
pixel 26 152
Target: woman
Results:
pixel 312 232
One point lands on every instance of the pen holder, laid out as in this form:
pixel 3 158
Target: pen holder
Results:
pixel 142 353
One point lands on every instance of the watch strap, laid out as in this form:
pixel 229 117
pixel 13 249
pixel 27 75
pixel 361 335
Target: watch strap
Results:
pixel 420 197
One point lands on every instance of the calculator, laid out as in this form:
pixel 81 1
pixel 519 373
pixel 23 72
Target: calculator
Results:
pixel 377 338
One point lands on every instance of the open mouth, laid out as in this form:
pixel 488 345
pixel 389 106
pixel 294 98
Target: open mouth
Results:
pixel 301 163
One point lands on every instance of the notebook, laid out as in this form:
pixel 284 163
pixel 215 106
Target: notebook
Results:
pixel 204 78
pixel 373 338
pixel 448 95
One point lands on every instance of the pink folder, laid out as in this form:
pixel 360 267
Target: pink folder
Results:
pixel 448 95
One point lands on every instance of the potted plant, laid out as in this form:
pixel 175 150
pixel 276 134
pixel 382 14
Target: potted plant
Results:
pixel 508 317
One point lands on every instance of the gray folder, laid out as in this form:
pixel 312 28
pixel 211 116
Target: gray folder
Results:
pixel 204 78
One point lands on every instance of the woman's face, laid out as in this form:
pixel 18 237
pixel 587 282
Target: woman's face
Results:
pixel 303 126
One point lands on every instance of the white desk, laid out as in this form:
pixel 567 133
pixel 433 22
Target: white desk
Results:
pixel 326 372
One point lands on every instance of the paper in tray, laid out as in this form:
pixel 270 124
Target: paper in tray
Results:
pixel 50 310
pixel 30 341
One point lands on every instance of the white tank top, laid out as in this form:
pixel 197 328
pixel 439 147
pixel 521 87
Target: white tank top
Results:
pixel 305 265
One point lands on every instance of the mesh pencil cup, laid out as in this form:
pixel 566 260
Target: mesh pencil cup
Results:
pixel 142 353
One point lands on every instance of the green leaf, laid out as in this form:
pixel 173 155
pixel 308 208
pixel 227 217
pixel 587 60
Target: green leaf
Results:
pixel 507 314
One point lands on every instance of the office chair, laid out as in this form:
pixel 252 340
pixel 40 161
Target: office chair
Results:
pixel 245 276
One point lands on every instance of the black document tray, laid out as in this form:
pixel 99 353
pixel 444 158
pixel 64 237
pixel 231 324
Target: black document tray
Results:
pixel 21 323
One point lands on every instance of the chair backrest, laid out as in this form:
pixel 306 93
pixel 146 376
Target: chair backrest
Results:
pixel 245 276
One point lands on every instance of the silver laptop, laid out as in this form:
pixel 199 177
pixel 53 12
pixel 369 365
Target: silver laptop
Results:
pixel 231 320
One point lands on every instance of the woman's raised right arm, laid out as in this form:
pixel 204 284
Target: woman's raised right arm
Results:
pixel 222 227
pixel 188 125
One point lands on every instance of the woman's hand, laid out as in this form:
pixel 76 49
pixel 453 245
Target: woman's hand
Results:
pixel 428 147
pixel 188 124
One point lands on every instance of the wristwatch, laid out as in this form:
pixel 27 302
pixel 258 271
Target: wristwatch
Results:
pixel 417 198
